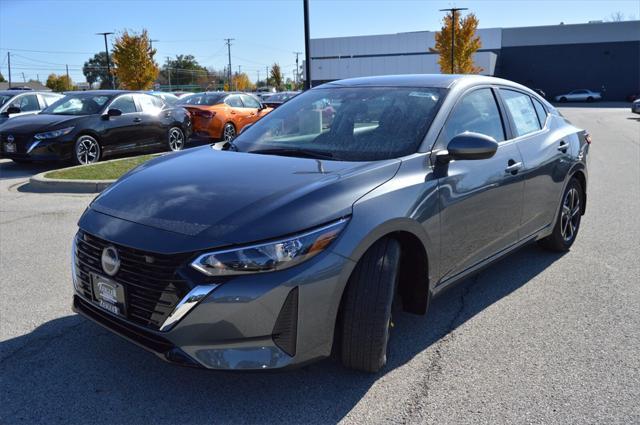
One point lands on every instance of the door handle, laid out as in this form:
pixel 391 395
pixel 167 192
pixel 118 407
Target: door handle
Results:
pixel 563 146
pixel 137 120
pixel 513 167
pixel 233 112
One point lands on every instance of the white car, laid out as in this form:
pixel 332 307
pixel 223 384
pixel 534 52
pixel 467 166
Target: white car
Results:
pixel 580 95
pixel 23 102
pixel 635 106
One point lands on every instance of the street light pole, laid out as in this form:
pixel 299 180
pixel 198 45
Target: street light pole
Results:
pixel 307 53
pixel 453 11
pixel 106 50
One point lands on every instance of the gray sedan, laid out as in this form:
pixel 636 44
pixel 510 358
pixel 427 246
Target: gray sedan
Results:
pixel 581 95
pixel 312 229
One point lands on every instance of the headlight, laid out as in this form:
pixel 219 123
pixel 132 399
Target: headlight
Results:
pixel 270 256
pixel 53 134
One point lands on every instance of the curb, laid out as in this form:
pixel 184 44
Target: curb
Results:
pixel 40 182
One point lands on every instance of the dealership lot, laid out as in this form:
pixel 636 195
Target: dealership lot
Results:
pixel 538 337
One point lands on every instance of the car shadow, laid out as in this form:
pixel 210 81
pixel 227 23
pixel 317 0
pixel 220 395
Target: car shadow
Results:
pixel 13 170
pixel 70 370
pixel 597 104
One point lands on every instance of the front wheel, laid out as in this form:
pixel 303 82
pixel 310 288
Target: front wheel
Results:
pixel 228 132
pixel 568 221
pixel 563 99
pixel 87 150
pixel 366 310
pixel 176 139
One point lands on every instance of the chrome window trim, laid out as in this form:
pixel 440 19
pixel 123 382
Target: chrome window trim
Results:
pixel 186 304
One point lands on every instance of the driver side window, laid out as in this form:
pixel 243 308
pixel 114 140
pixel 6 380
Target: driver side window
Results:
pixel 125 104
pixel 477 112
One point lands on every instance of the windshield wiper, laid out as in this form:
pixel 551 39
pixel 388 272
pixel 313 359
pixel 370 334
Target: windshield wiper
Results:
pixel 305 153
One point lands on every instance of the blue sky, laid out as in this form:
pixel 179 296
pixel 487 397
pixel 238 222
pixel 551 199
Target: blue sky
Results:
pixel 45 35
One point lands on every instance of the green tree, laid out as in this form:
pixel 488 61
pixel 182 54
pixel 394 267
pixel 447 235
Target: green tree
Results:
pixel 184 69
pixel 466 42
pixel 133 60
pixel 59 83
pixel 2 80
pixel 275 76
pixel 95 69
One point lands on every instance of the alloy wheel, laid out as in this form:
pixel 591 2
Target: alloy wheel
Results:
pixel 176 139
pixel 87 150
pixel 570 217
pixel 229 133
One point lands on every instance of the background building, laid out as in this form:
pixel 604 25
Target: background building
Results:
pixel 602 56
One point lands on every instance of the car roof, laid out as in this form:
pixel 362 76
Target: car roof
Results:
pixel 17 92
pixel 99 92
pixel 415 80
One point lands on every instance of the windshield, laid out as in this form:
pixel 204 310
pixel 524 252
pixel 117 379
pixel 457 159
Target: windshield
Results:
pixel 4 98
pixel 169 98
pixel 78 104
pixel 351 124
pixel 203 99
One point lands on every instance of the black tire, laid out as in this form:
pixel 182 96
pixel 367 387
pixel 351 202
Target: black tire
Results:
pixel 566 228
pixel 366 309
pixel 563 99
pixel 176 139
pixel 228 132
pixel 590 99
pixel 22 161
pixel 84 143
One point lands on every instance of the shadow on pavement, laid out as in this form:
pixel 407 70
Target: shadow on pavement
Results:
pixel 13 170
pixel 593 105
pixel 69 370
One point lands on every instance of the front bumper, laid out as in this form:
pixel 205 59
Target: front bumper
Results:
pixel 252 322
pixel 635 109
pixel 43 150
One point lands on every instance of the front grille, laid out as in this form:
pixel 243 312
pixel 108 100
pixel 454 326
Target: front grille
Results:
pixel 151 283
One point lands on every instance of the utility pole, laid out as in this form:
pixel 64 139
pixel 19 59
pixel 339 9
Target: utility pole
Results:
pixel 295 77
pixel 169 71
pixel 307 53
pixel 266 79
pixel 9 66
pixel 106 49
pixel 258 80
pixel 151 44
pixel 68 79
pixel 24 80
pixel 453 11
pixel 228 42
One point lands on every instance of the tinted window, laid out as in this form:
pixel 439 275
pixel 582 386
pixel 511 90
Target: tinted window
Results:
pixel 234 102
pixel 49 99
pixel 477 112
pixel 150 104
pixel 351 124
pixel 125 104
pixel 249 101
pixel 542 113
pixel 522 111
pixel 4 98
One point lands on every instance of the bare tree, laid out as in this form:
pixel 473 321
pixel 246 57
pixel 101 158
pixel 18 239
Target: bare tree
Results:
pixel 615 17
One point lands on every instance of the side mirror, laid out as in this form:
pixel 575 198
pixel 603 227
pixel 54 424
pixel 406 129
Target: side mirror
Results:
pixel 112 113
pixel 12 110
pixel 469 146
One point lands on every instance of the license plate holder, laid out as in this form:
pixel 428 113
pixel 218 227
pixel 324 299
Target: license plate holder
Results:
pixel 109 294
pixel 10 147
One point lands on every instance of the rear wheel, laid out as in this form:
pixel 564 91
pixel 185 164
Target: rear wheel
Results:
pixel 563 99
pixel 568 221
pixel 87 150
pixel 590 99
pixel 366 310
pixel 176 139
pixel 228 132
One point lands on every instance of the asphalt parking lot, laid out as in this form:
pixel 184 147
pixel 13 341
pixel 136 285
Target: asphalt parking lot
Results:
pixel 535 338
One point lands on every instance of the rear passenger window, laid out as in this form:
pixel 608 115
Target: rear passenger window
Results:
pixel 476 112
pixel 522 111
pixel 542 113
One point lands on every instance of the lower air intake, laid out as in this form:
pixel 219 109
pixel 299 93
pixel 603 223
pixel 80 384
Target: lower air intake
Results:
pixel 286 328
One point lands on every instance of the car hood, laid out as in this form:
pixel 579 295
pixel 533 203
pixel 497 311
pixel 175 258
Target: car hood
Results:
pixel 24 124
pixel 203 198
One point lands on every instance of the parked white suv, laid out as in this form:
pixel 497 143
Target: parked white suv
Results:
pixel 580 95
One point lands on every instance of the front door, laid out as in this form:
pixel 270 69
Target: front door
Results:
pixel 123 133
pixel 480 200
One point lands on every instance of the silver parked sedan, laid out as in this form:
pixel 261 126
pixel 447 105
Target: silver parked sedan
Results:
pixel 303 236
pixel 581 95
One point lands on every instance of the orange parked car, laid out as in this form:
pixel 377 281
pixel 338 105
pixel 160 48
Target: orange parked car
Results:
pixel 222 115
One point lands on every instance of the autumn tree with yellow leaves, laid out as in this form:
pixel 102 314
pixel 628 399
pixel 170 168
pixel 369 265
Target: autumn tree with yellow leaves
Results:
pixel 133 59
pixel 466 43
pixel 241 82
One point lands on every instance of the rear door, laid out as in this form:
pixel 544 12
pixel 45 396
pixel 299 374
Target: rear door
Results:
pixel 545 162
pixel 238 113
pixel 154 124
pixel 480 200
